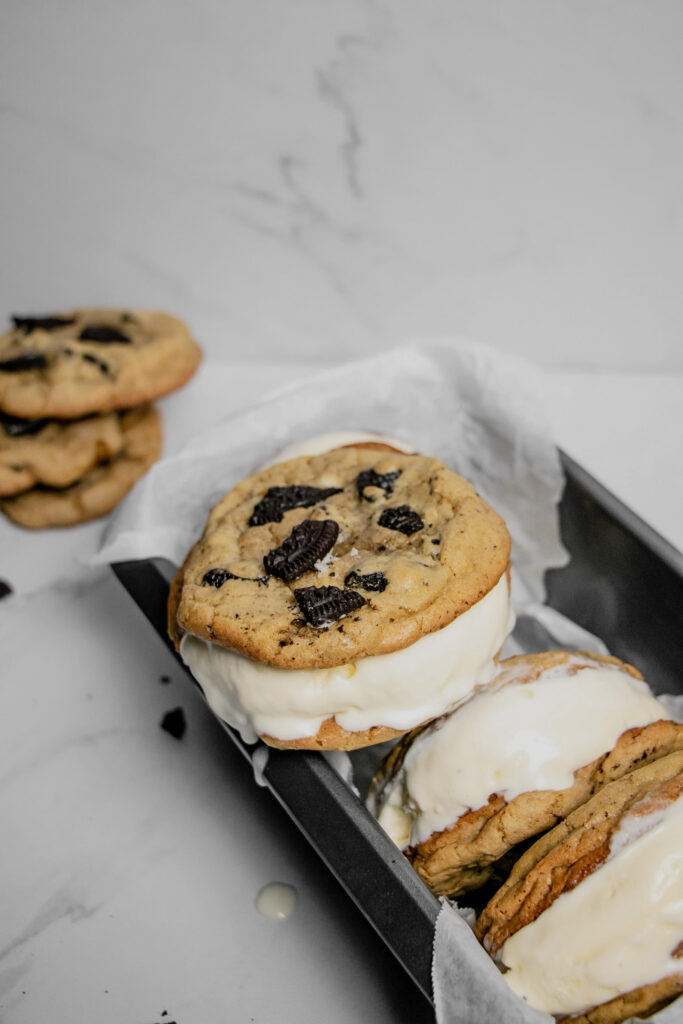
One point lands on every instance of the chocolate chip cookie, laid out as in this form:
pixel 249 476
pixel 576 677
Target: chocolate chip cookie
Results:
pixel 326 559
pixel 96 493
pixel 91 361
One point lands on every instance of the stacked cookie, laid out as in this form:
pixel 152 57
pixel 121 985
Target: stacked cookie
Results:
pixel 77 429
pixel 573 747
pixel 338 600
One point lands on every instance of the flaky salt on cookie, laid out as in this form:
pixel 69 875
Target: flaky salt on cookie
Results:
pixel 589 925
pixel 514 759
pixel 340 599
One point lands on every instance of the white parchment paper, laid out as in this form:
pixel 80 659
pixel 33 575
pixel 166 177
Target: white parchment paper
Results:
pixel 478 410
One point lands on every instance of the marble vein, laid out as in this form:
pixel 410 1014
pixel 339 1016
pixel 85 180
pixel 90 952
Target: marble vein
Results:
pixel 61 906
pixel 303 218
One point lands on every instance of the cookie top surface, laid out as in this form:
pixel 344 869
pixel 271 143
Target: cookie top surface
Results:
pixel 54 452
pixel 92 360
pixel 100 489
pixel 325 559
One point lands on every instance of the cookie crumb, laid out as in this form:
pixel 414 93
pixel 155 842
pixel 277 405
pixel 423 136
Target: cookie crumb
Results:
pixel 174 723
pixel 5 588
pixel 164 679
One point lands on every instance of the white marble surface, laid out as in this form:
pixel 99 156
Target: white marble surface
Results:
pixel 316 179
pixel 311 182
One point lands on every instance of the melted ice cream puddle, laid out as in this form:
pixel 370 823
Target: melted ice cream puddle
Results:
pixel 276 901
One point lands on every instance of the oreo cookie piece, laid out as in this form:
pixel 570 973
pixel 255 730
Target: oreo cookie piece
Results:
pixel 373 581
pixel 402 518
pixel 28 360
pixel 321 606
pixel 217 577
pixel 278 500
pixel 307 544
pixel 174 723
pixel 14 426
pixel 103 334
pixel 27 324
pixel 370 479
pixel 96 361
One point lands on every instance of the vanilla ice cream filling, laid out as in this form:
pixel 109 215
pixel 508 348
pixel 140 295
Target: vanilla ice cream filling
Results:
pixel 613 932
pixel 321 443
pixel 512 739
pixel 399 690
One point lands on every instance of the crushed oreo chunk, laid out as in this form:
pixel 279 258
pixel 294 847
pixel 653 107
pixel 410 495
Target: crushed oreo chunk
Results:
pixel 308 542
pixel 13 426
pixel 323 605
pixel 402 518
pixel 174 723
pixel 5 589
pixel 103 334
pixel 278 500
pixel 217 577
pixel 375 581
pixel 371 478
pixel 25 361
pixel 27 324
pixel 99 363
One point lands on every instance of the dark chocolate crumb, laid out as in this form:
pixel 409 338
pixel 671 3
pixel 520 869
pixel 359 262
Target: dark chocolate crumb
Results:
pixel 24 361
pixel 43 323
pixel 371 478
pixel 376 581
pixel 436 541
pixel 401 518
pixel 174 723
pixel 99 363
pixel 16 427
pixel 217 577
pixel 164 679
pixel 103 334
pixel 5 588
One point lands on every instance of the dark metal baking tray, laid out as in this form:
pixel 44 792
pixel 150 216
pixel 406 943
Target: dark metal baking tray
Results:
pixel 623 582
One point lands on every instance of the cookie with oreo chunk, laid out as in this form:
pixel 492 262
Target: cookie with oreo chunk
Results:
pixel 102 487
pixel 365 551
pixel 71 365
pixel 54 453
